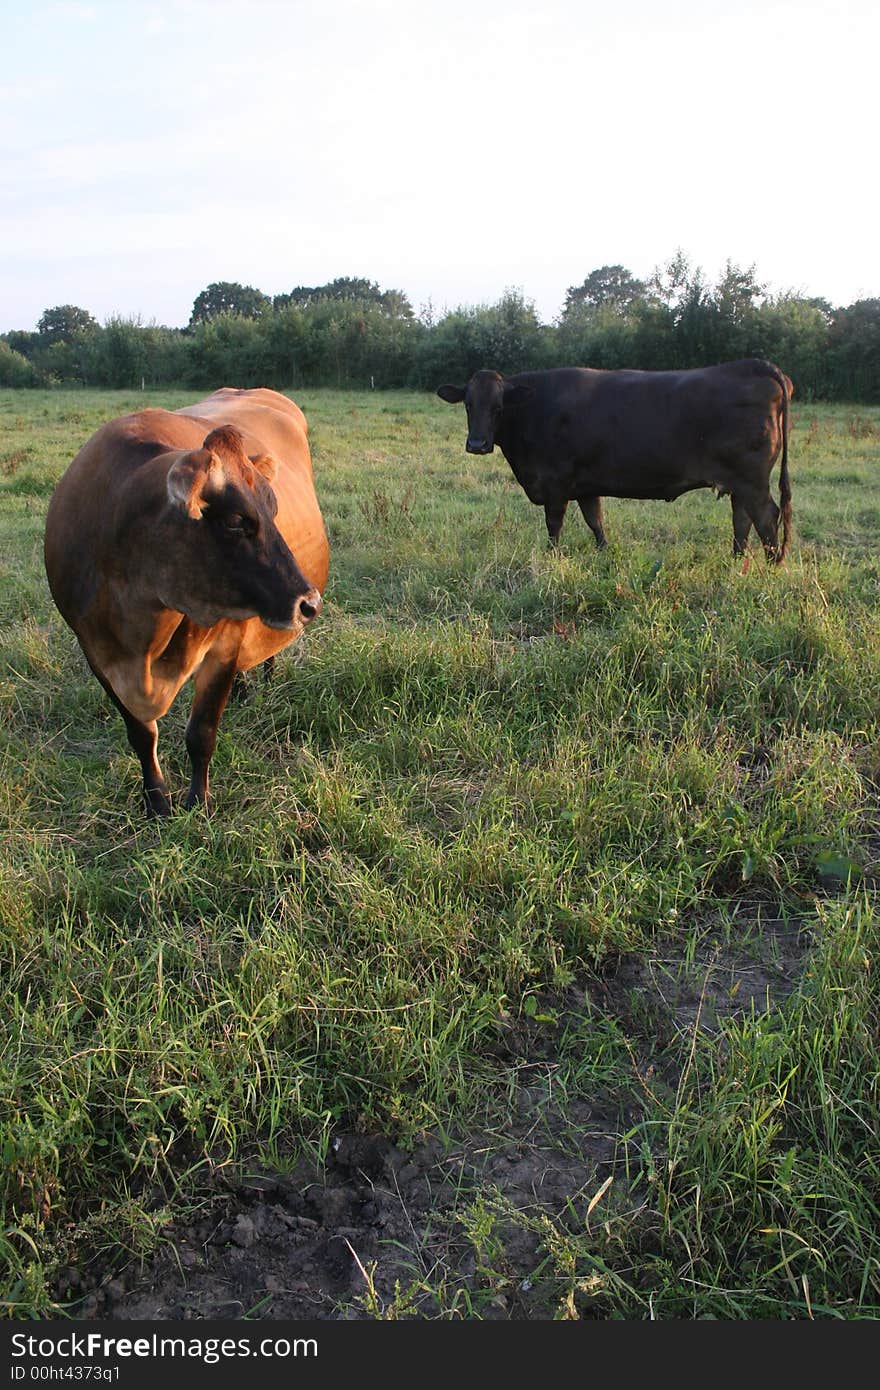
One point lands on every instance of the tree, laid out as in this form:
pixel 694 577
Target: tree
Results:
pixel 600 318
pixel 396 304
pixel 611 286
pixel 854 351
pixel 675 284
pixel 228 297
pixel 63 323
pixel 344 287
pixel 350 289
pixel 230 348
pixel 736 293
pixel 600 337
pixel 21 340
pixel 506 336
pixel 356 343
pixel 691 322
pixel 300 296
pixel 793 332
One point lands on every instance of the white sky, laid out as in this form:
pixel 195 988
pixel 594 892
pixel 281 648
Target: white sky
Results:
pixel 447 148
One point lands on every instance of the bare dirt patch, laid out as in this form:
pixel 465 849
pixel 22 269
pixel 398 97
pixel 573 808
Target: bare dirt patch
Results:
pixel 381 1228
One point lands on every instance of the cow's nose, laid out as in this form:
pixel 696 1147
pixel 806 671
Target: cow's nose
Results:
pixel 478 446
pixel 309 606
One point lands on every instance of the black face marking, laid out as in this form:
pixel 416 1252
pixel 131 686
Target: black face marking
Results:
pixel 233 515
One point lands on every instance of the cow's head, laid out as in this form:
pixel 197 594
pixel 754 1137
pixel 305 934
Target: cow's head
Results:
pixel 226 557
pixel 486 397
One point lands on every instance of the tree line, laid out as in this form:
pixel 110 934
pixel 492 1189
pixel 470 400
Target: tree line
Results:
pixel 352 333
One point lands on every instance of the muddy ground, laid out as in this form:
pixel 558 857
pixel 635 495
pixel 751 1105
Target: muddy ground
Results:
pixel 380 1231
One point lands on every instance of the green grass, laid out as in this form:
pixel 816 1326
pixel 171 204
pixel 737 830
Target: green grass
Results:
pixel 489 772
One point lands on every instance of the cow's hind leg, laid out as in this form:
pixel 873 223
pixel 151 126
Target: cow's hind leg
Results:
pixel 213 683
pixel 554 515
pixel 767 526
pixel 591 507
pixel 143 739
pixel 742 525
pixel 765 514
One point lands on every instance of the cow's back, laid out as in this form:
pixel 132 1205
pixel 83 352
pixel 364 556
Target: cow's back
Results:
pixel 642 433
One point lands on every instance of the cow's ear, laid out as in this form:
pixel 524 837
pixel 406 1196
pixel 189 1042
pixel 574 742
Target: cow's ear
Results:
pixel 452 394
pixel 187 480
pixel 265 465
pixel 516 395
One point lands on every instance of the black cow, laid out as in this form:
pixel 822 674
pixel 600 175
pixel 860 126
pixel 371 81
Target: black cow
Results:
pixel 579 434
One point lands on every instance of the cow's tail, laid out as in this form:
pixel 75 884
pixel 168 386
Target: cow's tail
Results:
pixel 784 483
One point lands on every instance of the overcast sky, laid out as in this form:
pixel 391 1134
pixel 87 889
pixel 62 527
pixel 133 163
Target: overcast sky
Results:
pixel 450 150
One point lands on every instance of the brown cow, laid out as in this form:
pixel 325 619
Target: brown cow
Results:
pixel 578 433
pixel 187 543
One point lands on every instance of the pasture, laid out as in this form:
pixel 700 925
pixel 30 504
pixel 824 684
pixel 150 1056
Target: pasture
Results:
pixel 542 884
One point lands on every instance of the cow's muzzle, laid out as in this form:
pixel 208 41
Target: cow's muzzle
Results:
pixel 308 606
pixel 305 607
pixel 479 446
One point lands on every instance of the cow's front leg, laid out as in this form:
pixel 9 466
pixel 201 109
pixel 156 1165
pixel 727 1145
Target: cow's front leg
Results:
pixel 213 683
pixel 241 686
pixel 554 515
pixel 143 738
pixel 591 507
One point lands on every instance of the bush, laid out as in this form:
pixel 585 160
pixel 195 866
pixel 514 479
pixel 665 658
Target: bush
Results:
pixel 507 337
pixel 349 333
pixel 126 353
pixel 16 370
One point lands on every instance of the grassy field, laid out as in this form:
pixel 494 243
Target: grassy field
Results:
pixel 494 787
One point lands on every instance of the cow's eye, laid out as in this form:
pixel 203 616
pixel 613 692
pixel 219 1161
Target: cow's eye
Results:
pixel 234 522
